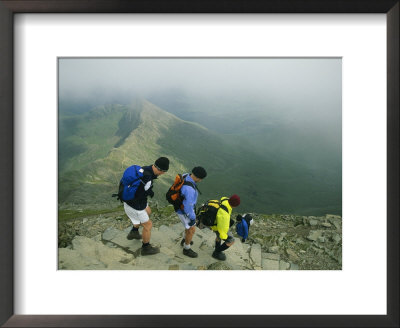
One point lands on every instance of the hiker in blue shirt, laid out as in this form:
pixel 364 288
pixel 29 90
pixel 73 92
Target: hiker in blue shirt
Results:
pixel 243 225
pixel 186 213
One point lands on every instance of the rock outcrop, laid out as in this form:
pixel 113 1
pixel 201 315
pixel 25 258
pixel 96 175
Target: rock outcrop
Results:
pixel 277 242
pixel 112 250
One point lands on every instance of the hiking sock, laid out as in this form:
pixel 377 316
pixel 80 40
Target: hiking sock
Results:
pixel 145 244
pixel 222 247
pixel 183 241
pixel 186 246
pixel 217 243
pixel 135 229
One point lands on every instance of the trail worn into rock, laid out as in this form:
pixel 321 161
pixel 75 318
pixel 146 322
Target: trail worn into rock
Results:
pixel 276 242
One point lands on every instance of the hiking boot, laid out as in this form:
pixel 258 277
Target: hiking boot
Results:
pixel 189 252
pixel 134 235
pixel 183 240
pixel 219 255
pixel 149 250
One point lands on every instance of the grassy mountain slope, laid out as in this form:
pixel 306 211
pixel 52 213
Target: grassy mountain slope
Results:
pixel 96 147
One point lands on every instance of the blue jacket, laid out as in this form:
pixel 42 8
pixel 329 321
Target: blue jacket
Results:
pixel 190 199
pixel 242 229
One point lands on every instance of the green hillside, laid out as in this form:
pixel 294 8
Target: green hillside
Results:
pixel 95 148
pixel 86 138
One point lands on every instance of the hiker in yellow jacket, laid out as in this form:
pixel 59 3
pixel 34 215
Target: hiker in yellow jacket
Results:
pixel 222 226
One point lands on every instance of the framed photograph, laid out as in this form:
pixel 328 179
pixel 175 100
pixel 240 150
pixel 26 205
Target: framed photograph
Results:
pixel 230 115
pixel 305 96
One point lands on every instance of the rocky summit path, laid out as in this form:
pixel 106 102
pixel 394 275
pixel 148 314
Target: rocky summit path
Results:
pixel 113 251
pixel 88 240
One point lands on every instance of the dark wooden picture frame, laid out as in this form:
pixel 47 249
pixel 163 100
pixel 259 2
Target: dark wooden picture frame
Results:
pixel 10 7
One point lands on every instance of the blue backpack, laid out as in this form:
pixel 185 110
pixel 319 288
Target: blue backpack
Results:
pixel 242 229
pixel 130 182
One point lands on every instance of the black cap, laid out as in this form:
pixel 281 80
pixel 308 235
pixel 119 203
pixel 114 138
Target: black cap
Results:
pixel 162 164
pixel 199 172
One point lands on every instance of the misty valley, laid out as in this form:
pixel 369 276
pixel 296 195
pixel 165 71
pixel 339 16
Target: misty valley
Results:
pixel 277 164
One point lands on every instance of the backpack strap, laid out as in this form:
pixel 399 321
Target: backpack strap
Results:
pixel 138 179
pixel 145 174
pixel 188 183
pixel 223 206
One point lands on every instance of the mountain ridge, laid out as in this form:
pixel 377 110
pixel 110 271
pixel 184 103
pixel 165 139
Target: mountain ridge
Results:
pixel 149 132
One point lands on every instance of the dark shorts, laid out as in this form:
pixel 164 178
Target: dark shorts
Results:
pixel 230 238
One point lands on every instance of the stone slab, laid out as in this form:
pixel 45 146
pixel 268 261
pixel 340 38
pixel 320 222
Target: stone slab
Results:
pixel 270 264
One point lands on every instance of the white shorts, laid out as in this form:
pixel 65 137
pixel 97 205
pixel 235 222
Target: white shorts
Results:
pixel 137 217
pixel 185 220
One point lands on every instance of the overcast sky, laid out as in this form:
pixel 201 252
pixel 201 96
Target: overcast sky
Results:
pixel 272 76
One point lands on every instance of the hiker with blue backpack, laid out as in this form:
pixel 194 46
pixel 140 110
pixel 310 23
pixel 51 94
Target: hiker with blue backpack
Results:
pixel 135 186
pixel 243 223
pixel 183 195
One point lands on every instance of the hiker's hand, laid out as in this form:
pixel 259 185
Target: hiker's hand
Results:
pixel 192 223
pixel 243 240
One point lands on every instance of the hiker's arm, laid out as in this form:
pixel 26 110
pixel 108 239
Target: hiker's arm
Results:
pixel 148 185
pixel 189 202
pixel 148 189
pixel 223 219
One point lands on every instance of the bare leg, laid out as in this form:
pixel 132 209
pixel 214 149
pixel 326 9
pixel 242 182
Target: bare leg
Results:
pixel 146 233
pixel 148 210
pixel 189 235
